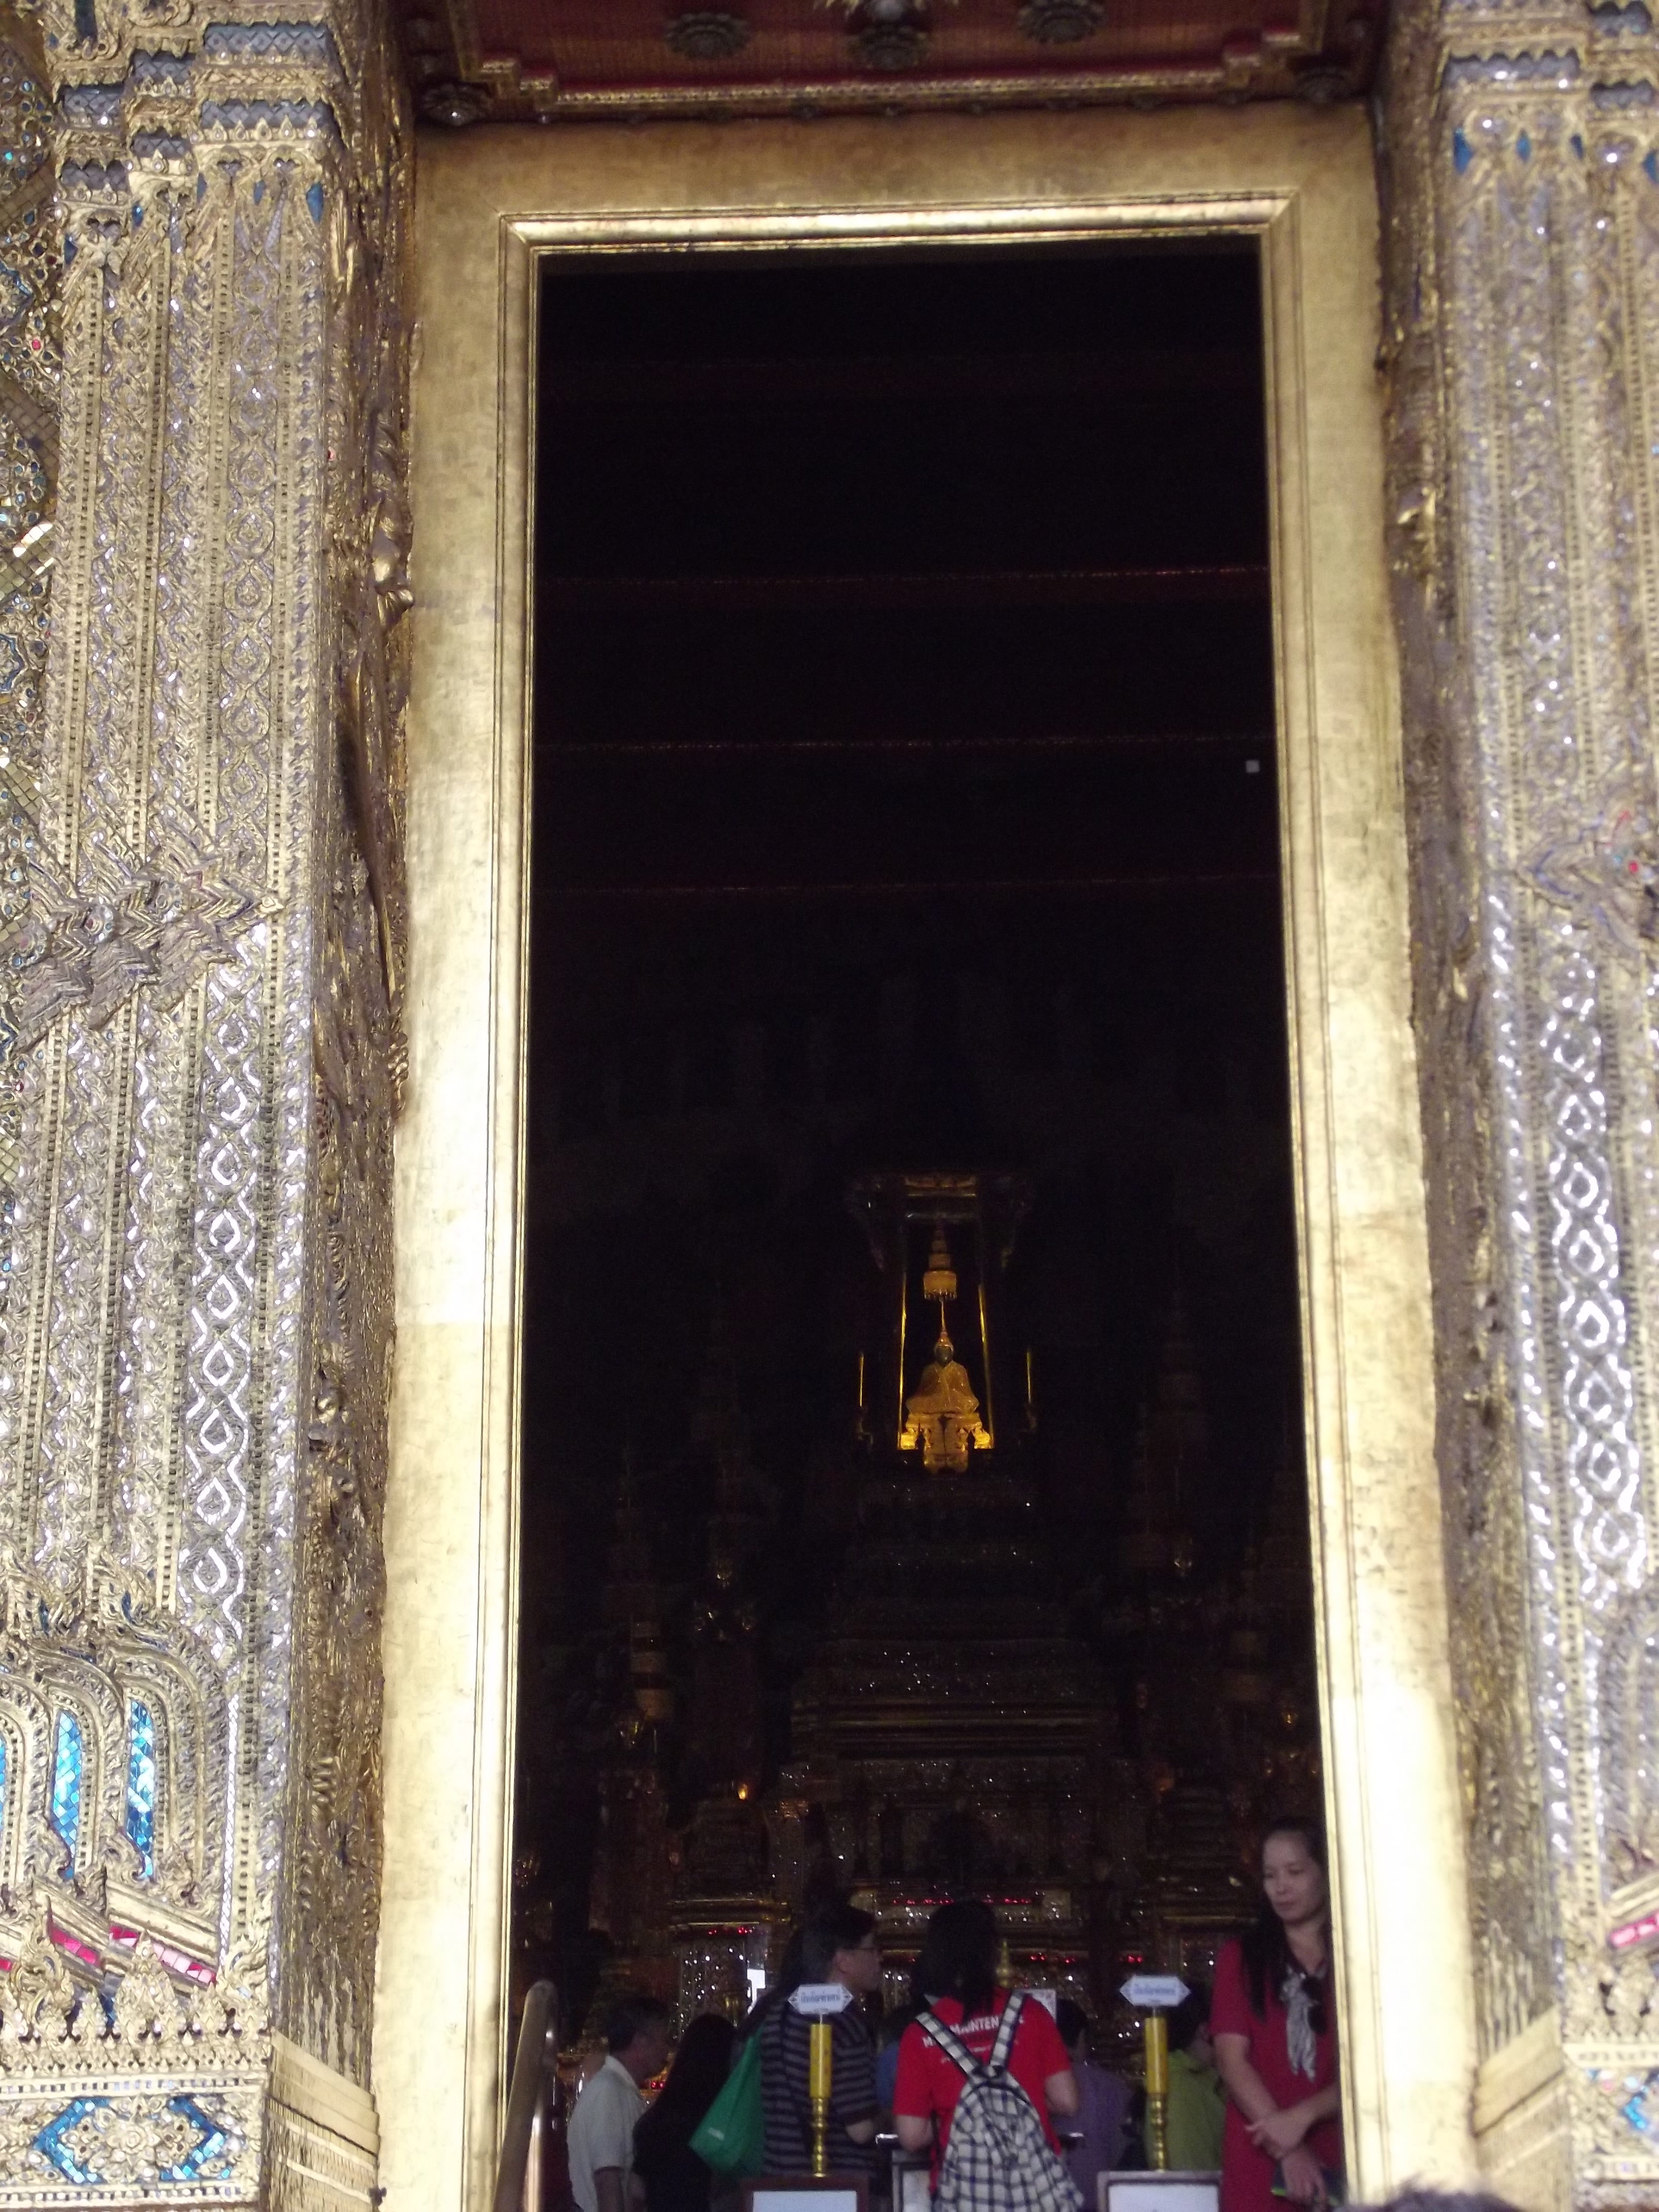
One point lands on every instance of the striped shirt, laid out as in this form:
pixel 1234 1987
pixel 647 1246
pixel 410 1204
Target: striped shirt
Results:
pixel 785 2058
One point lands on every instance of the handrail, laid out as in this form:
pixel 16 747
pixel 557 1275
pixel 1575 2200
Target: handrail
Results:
pixel 533 2106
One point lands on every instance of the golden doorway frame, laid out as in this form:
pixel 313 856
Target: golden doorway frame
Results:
pixel 1299 182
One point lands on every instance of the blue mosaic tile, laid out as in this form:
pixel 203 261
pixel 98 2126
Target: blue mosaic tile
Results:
pixel 13 666
pixel 69 1765
pixel 141 1783
pixel 216 2147
pixel 50 2141
pixel 207 2159
pixel 1636 2095
pixel 1642 2108
pixel 17 294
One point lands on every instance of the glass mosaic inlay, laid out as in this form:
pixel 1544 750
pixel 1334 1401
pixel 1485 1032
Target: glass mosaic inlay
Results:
pixel 140 1785
pixel 84 2142
pixel 69 1763
pixel 51 2144
pixel 211 2157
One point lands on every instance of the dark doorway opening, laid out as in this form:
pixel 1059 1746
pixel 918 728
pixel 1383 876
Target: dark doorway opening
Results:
pixel 906 911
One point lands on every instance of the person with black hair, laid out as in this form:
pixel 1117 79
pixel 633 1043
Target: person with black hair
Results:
pixel 599 2140
pixel 1196 2111
pixel 1274 2024
pixel 668 2175
pixel 957 1971
pixel 1104 2101
pixel 838 1945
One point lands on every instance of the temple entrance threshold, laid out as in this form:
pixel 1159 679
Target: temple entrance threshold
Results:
pixel 949 1354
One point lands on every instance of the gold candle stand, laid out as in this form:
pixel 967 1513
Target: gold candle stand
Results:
pixel 819 2076
pixel 1156 2030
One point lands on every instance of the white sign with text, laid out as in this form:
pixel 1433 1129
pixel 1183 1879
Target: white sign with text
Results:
pixel 1153 1992
pixel 819 2000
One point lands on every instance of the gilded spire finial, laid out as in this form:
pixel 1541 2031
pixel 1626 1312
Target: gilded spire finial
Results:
pixel 939 1281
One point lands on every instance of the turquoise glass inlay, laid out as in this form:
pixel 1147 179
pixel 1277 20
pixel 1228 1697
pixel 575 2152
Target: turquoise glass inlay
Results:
pixel 50 2142
pixel 141 1783
pixel 209 2158
pixel 69 1763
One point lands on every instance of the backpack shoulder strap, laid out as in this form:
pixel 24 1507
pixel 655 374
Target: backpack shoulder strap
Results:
pixel 950 2043
pixel 1008 2029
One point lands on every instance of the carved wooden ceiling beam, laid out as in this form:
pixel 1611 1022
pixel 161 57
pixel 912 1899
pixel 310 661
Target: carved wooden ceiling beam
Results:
pixel 573 60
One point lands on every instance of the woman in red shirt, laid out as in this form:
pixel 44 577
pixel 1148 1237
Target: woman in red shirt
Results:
pixel 957 1972
pixel 1272 2023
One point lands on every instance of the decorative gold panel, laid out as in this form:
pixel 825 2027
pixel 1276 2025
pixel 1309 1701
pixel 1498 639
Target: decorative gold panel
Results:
pixel 203 1061
pixel 1522 169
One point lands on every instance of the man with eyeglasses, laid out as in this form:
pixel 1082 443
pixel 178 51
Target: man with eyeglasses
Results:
pixel 837 1944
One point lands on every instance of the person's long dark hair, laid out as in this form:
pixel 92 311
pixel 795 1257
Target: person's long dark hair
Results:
pixel 792 1972
pixel 958 1956
pixel 1266 1948
pixel 695 2080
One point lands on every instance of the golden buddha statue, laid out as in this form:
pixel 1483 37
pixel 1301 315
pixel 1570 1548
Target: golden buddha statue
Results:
pixel 942 1413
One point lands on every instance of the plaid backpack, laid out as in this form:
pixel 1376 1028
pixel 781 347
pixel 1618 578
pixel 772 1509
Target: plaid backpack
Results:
pixel 997 2155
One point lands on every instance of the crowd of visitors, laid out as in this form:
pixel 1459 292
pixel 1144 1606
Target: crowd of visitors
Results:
pixel 1005 2098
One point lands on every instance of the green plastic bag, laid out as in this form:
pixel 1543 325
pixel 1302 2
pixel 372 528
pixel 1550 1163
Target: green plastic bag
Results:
pixel 731 2137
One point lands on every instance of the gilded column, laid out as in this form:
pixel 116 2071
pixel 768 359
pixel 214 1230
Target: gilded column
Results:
pixel 30 257
pixel 203 1058
pixel 1521 160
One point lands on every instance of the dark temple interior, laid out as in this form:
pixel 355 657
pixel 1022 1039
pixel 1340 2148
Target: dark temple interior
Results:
pixel 914 1500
